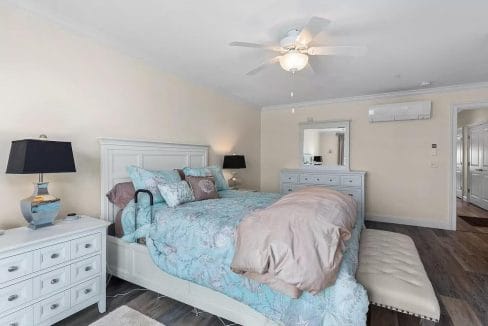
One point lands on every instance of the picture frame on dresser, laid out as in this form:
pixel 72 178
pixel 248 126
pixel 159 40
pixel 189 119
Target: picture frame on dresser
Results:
pixel 51 273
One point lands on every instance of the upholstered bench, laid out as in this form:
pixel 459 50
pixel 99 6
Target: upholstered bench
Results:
pixel 391 271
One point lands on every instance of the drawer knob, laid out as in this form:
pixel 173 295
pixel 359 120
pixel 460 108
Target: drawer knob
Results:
pixel 13 268
pixel 318 179
pixel 350 195
pixel 350 180
pixel 289 189
pixel 54 280
pixel 87 245
pixel 88 268
pixel 54 256
pixel 54 306
pixel 13 297
pixel 330 180
pixel 14 324
pixel 87 290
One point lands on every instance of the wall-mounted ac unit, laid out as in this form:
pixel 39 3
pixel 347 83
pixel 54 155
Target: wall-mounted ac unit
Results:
pixel 401 111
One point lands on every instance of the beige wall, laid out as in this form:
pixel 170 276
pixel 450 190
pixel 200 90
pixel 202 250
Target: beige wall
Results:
pixel 468 118
pixel 73 89
pixel 400 183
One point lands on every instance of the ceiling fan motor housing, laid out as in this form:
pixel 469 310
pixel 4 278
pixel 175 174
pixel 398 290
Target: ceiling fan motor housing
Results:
pixel 290 41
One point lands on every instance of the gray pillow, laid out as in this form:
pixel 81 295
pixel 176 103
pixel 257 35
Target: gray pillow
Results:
pixel 176 193
pixel 121 194
pixel 203 187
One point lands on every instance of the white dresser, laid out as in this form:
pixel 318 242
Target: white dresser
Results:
pixel 50 273
pixel 349 182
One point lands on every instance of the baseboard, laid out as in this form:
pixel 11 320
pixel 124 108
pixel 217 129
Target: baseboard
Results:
pixel 427 223
pixel 465 198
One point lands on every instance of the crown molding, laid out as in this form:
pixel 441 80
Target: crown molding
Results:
pixel 378 96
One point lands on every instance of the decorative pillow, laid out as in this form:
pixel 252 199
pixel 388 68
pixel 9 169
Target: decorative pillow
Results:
pixel 203 187
pixel 145 179
pixel 212 170
pixel 121 194
pixel 181 173
pixel 176 193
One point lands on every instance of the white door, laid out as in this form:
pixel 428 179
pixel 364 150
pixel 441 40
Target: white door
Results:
pixel 459 163
pixel 478 167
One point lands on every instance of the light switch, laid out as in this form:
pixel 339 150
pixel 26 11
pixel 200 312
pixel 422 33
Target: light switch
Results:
pixel 434 150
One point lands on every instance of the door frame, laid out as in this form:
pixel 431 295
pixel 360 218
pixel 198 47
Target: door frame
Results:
pixel 455 109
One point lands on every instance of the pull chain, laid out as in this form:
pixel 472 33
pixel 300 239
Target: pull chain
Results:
pixel 292 94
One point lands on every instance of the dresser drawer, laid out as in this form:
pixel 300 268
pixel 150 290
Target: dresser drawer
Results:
pixel 51 306
pixel 53 255
pixel 356 194
pixel 85 291
pixel 15 295
pixel 320 179
pixel 351 180
pixel 24 317
pixel 16 266
pixel 51 282
pixel 85 269
pixel 286 188
pixel 85 245
pixel 293 178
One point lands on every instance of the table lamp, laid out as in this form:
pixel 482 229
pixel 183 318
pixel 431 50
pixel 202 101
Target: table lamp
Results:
pixel 233 162
pixel 39 156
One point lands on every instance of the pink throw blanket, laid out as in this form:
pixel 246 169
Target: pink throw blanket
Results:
pixel 297 243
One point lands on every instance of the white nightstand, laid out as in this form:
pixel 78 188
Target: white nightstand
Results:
pixel 49 274
pixel 245 189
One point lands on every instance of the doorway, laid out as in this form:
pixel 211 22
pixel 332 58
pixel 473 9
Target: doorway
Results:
pixel 471 170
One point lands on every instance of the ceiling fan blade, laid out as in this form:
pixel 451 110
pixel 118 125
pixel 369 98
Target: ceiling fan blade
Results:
pixel 352 51
pixel 313 27
pixel 256 46
pixel 264 65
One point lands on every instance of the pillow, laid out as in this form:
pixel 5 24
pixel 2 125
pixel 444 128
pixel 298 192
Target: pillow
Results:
pixel 145 179
pixel 181 173
pixel 176 193
pixel 121 194
pixel 213 170
pixel 203 187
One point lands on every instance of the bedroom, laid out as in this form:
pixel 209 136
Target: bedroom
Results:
pixel 83 71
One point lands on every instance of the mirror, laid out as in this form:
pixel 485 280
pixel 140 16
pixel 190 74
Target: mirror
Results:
pixel 325 144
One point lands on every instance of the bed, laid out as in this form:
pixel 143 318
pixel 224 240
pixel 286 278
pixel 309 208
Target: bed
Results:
pixel 244 302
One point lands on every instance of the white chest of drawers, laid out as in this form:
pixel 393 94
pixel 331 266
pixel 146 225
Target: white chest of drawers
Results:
pixel 48 274
pixel 349 182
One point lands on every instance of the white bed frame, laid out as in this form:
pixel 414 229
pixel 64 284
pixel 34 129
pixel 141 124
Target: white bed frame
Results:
pixel 131 261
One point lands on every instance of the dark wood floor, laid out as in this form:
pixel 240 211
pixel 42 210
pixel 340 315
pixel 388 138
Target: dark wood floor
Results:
pixel 456 262
pixel 464 208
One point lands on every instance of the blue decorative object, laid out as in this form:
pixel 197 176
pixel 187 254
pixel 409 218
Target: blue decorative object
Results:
pixel 40 156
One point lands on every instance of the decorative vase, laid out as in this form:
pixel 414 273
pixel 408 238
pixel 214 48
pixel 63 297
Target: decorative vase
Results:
pixel 40 209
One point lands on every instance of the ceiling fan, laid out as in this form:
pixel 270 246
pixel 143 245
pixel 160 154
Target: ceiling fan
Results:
pixel 294 48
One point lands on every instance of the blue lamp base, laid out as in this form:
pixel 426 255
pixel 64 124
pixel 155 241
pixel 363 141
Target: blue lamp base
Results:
pixel 40 209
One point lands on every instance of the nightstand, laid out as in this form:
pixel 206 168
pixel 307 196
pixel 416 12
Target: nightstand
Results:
pixel 49 274
pixel 245 189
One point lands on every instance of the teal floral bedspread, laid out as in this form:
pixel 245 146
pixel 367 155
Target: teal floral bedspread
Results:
pixel 195 242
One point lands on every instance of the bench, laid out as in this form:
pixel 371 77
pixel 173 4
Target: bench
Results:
pixel 391 271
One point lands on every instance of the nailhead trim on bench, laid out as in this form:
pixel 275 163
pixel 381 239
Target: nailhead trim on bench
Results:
pixel 405 311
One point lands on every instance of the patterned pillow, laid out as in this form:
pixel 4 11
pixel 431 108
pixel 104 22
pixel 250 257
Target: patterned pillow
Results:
pixel 176 193
pixel 203 187
pixel 212 170
pixel 144 179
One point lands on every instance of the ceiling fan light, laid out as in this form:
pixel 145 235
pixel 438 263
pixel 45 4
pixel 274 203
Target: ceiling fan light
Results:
pixel 293 61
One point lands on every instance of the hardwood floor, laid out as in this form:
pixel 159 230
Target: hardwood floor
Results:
pixel 456 262
pixel 474 214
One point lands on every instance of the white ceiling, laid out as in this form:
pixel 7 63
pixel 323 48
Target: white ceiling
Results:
pixel 408 41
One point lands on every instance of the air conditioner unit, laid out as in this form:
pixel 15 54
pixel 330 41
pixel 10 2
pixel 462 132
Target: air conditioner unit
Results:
pixel 400 111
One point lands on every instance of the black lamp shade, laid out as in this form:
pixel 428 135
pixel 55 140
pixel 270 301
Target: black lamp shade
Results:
pixel 40 156
pixel 234 162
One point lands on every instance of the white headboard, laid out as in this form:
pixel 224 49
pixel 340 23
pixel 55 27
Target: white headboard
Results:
pixel 117 154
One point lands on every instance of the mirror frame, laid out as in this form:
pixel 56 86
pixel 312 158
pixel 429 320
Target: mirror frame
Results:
pixel 325 125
